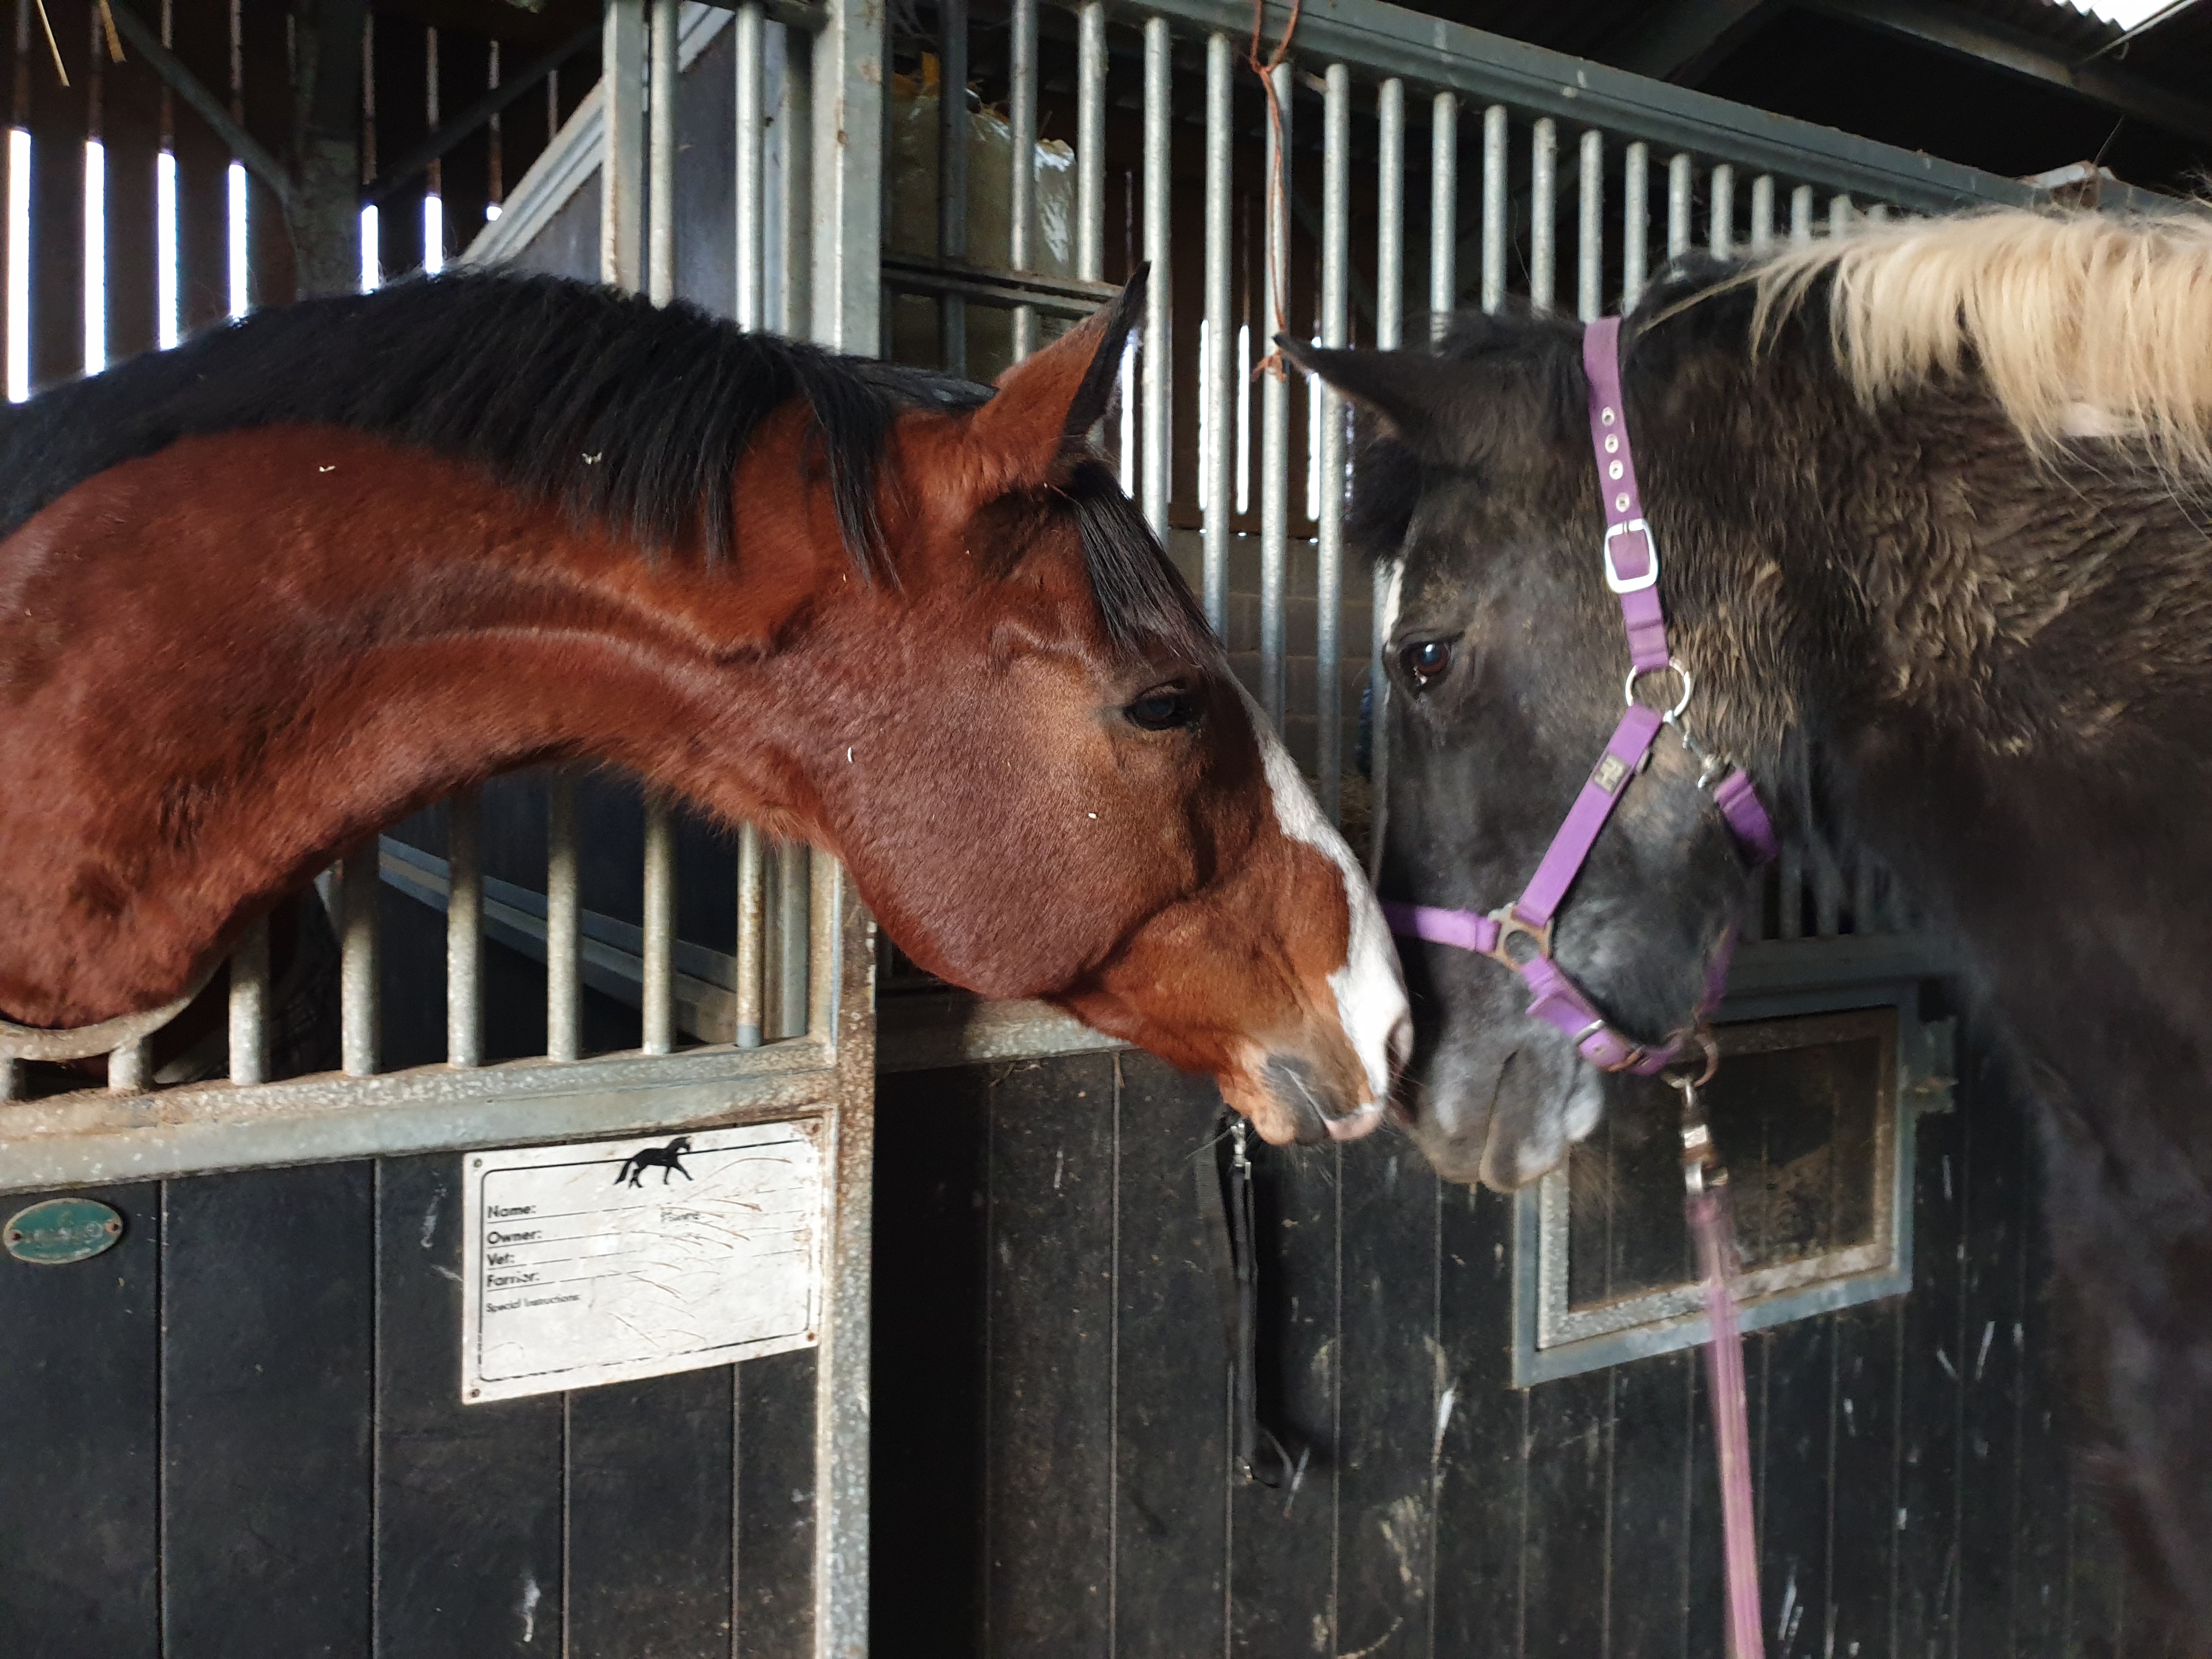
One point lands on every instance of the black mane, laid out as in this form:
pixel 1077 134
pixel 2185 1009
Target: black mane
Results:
pixel 625 411
pixel 622 410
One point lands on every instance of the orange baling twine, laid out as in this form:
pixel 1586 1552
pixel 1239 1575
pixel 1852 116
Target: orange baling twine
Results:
pixel 1278 253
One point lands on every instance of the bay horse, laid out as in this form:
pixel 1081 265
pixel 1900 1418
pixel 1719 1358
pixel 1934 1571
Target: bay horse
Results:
pixel 1930 503
pixel 267 592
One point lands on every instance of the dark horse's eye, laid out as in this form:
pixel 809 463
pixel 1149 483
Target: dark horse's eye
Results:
pixel 1427 662
pixel 1163 709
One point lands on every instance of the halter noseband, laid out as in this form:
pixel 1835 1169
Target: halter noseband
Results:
pixel 1519 935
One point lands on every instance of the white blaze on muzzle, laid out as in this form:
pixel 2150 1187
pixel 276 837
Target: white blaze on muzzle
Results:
pixel 1371 994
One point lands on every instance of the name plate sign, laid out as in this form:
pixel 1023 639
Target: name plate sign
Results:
pixel 611 1260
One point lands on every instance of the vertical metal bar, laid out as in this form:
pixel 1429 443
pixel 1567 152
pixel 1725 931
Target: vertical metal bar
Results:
pixel 1494 206
pixel 1159 362
pixel 1543 214
pixel 1790 893
pixel 793 863
pixel 1827 896
pixel 564 919
pixel 130 1068
pixel 1878 214
pixel 1274 414
pixel 1865 911
pixel 1839 216
pixel 1444 214
pixel 11 1077
pixel 1219 380
pixel 1021 201
pixel 1720 228
pixel 1329 545
pixel 1680 186
pixel 752 936
pixel 953 176
pixel 1590 230
pixel 1635 224
pixel 846 95
pixel 751 172
pixel 660 157
pixel 657 947
pixel 358 1012
pixel 1091 141
pixel 793 248
pixel 464 930
pixel 1762 214
pixel 1800 216
pixel 1390 213
pixel 249 1003
pixel 621 171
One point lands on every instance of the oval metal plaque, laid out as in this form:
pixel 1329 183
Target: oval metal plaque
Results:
pixel 61 1230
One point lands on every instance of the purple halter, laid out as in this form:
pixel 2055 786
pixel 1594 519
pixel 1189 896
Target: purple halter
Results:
pixel 1632 571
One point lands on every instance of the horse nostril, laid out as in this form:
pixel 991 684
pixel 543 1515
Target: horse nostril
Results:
pixel 1399 1045
pixel 1301 1095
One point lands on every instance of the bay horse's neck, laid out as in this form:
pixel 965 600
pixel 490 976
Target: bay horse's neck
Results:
pixel 210 689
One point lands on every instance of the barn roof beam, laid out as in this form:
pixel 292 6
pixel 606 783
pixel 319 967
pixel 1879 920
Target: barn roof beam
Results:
pixel 1681 38
pixel 2101 81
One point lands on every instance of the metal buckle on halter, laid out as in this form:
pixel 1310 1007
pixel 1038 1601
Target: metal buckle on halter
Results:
pixel 1507 924
pixel 1613 579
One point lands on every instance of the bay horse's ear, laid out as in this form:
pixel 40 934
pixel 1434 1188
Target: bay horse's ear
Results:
pixel 1053 398
pixel 1420 397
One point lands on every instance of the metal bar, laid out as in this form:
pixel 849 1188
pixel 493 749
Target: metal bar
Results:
pixel 752 938
pixel 622 156
pixel 1839 216
pixel 1159 361
pixel 1443 213
pixel 1589 231
pixel 1827 896
pixel 564 923
pixel 1328 544
pixel 1543 214
pixel 1091 141
pixel 130 1068
pixel 1865 911
pixel 845 184
pixel 1274 413
pixel 750 184
pixel 657 953
pixel 1878 214
pixel 1800 216
pixel 1720 220
pixel 1218 382
pixel 794 862
pixel 1491 69
pixel 660 157
pixel 11 1078
pixel 1021 202
pixel 249 1003
pixel 1390 213
pixel 1495 206
pixel 1762 214
pixel 792 242
pixel 1789 894
pixel 397 175
pixel 464 931
pixel 1680 186
pixel 358 1013
pixel 1635 224
pixel 952 177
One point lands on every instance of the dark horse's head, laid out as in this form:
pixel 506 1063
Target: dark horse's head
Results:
pixel 1506 663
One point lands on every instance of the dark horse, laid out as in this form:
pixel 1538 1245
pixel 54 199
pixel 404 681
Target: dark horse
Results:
pixel 668 1159
pixel 263 594
pixel 1930 504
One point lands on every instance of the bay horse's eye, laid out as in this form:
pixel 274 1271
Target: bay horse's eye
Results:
pixel 1162 709
pixel 1427 662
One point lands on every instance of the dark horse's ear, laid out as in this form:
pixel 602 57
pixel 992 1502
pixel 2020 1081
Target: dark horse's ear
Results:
pixel 1420 397
pixel 1051 399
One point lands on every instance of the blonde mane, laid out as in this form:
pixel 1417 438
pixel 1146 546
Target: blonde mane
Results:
pixel 2083 324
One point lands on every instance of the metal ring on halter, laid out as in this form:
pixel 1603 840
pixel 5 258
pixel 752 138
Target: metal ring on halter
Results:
pixel 1628 687
pixel 1682 1080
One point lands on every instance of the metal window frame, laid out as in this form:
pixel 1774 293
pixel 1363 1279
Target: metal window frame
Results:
pixel 1552 1340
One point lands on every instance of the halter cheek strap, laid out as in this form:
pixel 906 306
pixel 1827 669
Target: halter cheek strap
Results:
pixel 1519 935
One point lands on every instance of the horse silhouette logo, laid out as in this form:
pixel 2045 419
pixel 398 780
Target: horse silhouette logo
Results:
pixel 668 1159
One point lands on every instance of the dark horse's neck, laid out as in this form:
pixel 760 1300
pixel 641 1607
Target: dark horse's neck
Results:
pixel 176 756
pixel 2008 694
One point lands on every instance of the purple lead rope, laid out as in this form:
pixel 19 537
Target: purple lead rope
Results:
pixel 1519 937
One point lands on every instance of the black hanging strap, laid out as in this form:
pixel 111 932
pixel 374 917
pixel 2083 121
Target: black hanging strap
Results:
pixel 1260 1455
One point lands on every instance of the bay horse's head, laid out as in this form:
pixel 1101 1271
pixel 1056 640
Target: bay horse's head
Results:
pixel 1029 750
pixel 1506 660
